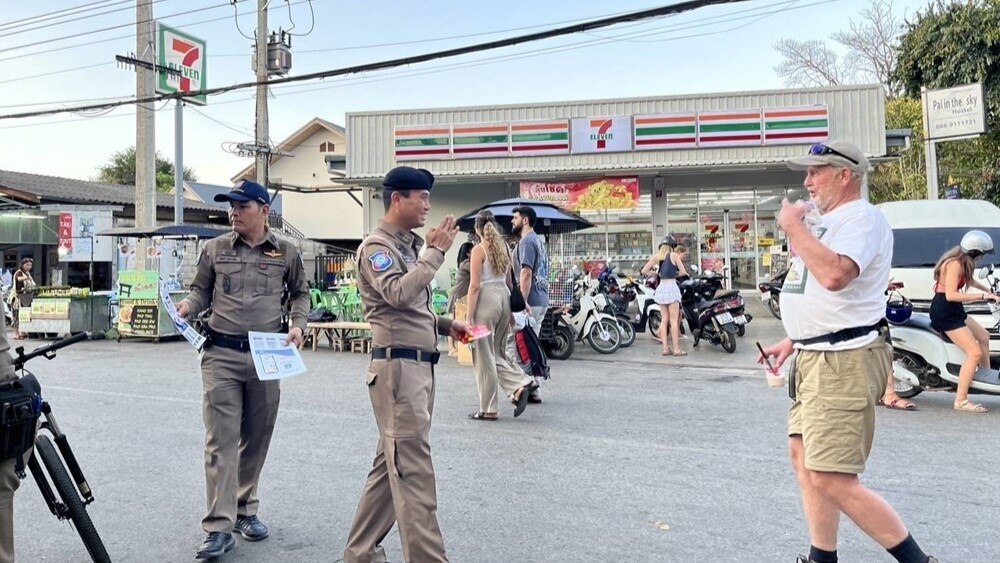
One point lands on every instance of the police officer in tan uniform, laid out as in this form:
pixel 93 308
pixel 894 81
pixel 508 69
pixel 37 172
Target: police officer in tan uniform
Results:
pixel 241 276
pixel 9 482
pixel 393 281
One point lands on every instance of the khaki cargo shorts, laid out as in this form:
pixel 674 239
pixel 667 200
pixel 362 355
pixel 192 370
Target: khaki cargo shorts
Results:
pixel 834 407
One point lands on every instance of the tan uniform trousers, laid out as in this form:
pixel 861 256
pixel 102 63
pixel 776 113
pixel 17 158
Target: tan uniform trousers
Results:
pixel 239 412
pixel 8 484
pixel 400 487
pixel 490 357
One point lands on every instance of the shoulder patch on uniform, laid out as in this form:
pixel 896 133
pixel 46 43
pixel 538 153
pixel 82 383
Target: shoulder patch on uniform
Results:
pixel 381 261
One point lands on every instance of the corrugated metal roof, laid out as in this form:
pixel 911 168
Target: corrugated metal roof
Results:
pixel 857 113
pixel 53 189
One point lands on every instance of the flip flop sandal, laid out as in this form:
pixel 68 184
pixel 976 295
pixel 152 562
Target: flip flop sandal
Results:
pixel 667 353
pixel 680 353
pixel 521 402
pixel 966 406
pixel 483 416
pixel 900 404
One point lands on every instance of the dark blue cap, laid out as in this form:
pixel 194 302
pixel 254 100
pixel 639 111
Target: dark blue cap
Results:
pixel 408 178
pixel 245 190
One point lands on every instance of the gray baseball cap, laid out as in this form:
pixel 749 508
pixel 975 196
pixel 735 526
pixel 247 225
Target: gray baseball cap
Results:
pixel 841 154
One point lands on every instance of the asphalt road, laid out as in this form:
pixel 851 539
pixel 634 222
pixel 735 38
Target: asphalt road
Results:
pixel 632 457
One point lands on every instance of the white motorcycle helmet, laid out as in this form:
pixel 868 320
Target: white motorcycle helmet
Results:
pixel 976 243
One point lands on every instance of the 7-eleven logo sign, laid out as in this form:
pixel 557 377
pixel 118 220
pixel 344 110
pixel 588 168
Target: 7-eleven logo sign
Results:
pixel 185 54
pixel 601 134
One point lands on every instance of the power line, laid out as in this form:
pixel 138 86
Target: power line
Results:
pixel 393 63
pixel 599 40
pixel 58 13
pixel 119 26
pixel 430 40
pixel 229 126
pixel 539 52
pixel 74 20
pixel 130 36
pixel 53 73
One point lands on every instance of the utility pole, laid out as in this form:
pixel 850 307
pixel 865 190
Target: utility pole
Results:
pixel 263 156
pixel 145 124
pixel 179 162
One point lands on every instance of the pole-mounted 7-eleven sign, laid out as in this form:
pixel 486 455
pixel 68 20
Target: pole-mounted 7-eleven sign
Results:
pixel 186 53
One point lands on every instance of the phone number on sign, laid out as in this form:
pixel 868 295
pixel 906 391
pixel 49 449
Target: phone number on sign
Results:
pixel 958 123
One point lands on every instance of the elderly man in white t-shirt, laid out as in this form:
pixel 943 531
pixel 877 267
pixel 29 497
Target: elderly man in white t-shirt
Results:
pixel 833 309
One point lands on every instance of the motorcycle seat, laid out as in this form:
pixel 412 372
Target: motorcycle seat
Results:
pixel 707 304
pixel 726 293
pixel 922 322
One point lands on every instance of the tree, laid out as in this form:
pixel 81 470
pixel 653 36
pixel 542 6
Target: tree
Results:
pixel 951 44
pixel 809 64
pixel 870 44
pixel 905 177
pixel 120 169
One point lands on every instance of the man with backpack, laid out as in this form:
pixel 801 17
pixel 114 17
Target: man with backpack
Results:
pixel 531 269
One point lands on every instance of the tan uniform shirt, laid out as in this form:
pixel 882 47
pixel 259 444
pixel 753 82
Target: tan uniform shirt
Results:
pixel 6 360
pixel 394 284
pixel 243 285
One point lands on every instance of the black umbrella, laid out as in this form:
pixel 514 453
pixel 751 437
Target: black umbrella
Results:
pixel 550 216
pixel 168 231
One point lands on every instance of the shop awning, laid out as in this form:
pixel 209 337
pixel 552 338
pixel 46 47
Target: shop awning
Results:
pixel 168 231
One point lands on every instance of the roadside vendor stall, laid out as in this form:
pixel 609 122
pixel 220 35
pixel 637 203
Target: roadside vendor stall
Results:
pixel 61 311
pixel 140 309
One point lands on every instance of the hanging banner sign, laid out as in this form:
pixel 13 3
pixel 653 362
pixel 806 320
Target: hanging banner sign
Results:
pixel 588 195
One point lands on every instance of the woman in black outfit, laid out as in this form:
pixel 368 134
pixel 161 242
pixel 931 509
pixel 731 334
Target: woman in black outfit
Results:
pixel 952 280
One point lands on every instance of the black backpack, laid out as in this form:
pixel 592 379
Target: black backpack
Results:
pixel 530 353
pixel 20 408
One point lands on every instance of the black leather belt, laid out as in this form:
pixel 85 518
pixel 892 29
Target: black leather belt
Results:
pixel 405 354
pixel 241 343
pixel 845 334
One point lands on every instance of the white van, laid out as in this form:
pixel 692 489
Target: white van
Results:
pixel 926 229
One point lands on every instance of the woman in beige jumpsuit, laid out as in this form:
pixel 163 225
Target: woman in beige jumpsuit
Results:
pixel 489 305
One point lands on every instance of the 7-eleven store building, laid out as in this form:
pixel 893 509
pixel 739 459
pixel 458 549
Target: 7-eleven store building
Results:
pixel 707 169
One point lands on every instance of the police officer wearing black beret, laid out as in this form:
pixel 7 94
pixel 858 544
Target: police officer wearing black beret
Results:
pixel 394 284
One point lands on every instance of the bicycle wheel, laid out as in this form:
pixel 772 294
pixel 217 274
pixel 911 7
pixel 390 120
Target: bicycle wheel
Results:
pixel 71 498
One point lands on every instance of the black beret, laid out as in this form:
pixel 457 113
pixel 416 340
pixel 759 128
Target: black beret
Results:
pixel 408 178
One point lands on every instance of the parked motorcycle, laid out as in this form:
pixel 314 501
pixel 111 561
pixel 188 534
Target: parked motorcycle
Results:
pixel 925 359
pixel 557 337
pixel 770 293
pixel 618 302
pixel 587 317
pixel 734 301
pixel 709 319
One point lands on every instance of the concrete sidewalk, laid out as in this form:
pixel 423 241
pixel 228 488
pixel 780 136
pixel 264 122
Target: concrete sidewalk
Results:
pixel 645 351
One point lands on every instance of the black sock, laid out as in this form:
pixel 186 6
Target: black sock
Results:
pixel 908 552
pixel 818 555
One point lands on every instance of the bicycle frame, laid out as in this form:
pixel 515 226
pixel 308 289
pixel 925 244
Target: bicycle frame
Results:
pixel 50 425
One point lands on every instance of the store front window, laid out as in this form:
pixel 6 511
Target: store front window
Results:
pixel 731 232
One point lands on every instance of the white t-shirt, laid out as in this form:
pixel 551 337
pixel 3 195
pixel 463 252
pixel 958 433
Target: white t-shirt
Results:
pixel 860 232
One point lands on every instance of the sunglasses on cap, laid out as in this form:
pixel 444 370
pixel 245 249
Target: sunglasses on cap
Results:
pixel 819 149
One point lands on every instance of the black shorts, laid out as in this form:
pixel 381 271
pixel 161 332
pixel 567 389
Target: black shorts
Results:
pixel 946 315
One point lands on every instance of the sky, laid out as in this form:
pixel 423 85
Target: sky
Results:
pixel 714 49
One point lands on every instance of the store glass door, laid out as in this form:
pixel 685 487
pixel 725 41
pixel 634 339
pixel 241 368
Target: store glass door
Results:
pixel 741 245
